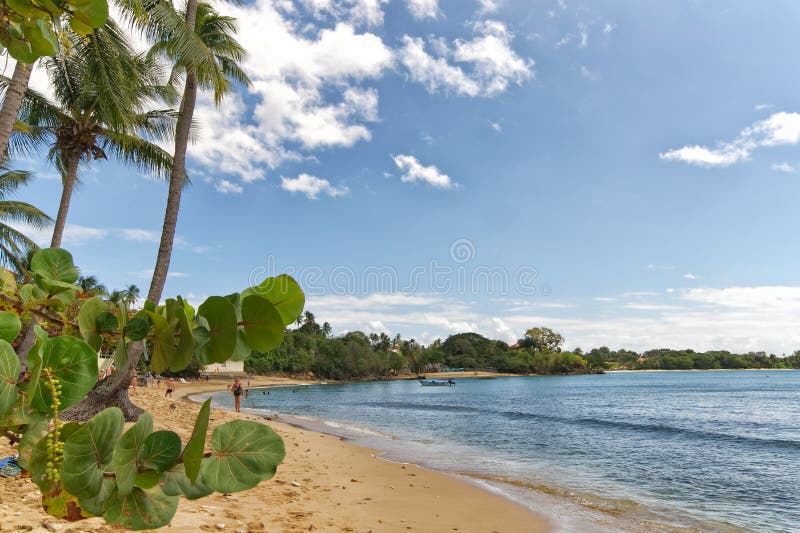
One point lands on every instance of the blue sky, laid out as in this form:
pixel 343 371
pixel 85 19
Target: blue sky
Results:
pixel 624 172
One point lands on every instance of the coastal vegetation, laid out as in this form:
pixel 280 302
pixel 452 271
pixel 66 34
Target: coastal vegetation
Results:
pixel 310 348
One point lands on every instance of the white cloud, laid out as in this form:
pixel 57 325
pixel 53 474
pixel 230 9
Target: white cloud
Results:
pixel 312 186
pixel 691 276
pixel 779 129
pixel 604 299
pixel 486 7
pixel 589 74
pixel 782 167
pixel 307 91
pixel 413 171
pixel 227 187
pixel 608 28
pixel 492 63
pixel 140 235
pixel 762 107
pixel 421 9
pixel 496 126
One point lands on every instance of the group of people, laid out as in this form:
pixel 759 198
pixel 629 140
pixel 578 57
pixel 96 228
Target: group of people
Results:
pixel 236 387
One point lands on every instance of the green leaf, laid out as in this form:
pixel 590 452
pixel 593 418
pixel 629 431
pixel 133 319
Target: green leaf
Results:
pixel 43 41
pixel 55 287
pixel 163 344
pixel 8 285
pixel 141 509
pixel 161 450
pixel 88 453
pixel 192 454
pixel 96 505
pixel 284 293
pixel 147 479
pixel 92 12
pixel 184 350
pixel 106 322
pixel 90 311
pixel 54 264
pixel 220 315
pixel 137 329
pixel 262 323
pixel 10 326
pixel 35 363
pixel 125 462
pixel 73 363
pixel 174 482
pixel 244 453
pixel 9 372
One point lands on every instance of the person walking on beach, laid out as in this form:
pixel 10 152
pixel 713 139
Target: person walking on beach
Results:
pixel 134 381
pixel 237 394
pixel 170 388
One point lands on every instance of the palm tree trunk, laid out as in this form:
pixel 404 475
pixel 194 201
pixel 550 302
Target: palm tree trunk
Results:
pixel 63 207
pixel 178 174
pixel 11 104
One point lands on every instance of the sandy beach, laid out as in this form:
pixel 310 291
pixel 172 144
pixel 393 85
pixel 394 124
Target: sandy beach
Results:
pixel 323 485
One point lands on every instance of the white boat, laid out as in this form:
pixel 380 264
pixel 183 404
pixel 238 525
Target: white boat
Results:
pixel 436 382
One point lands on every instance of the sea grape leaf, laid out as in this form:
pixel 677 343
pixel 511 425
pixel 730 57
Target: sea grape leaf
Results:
pixel 96 505
pixel 163 345
pixel 54 264
pixel 161 450
pixel 73 362
pixel 61 504
pixel 141 509
pixel 174 482
pixel 284 293
pixel 192 454
pixel 88 453
pixel 8 284
pixel 106 322
pixel 220 316
pixel 244 453
pixel 126 458
pixel 137 329
pixel 87 321
pixel 93 12
pixel 184 350
pixel 10 326
pixel 262 323
pixel 9 372
pixel 242 350
pixel 147 479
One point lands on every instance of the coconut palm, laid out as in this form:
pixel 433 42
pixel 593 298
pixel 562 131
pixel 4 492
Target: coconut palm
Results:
pixel 101 88
pixel 12 100
pixel 131 295
pixel 116 297
pixel 14 244
pixel 217 33
pixel 91 285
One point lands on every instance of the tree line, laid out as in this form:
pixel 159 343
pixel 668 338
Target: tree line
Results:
pixel 310 348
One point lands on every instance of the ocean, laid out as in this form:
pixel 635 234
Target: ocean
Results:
pixel 623 451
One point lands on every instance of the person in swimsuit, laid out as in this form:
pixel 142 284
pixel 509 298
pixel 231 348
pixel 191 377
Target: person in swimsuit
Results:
pixel 134 381
pixel 170 388
pixel 237 390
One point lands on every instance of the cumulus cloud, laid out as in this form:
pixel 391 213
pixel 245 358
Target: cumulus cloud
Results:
pixel 412 170
pixel 421 9
pixel 308 88
pixel 227 187
pixel 486 7
pixel 312 186
pixel 482 66
pixel 691 276
pixel 779 129
pixel 496 126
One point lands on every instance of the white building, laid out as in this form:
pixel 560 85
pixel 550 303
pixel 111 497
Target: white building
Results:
pixel 225 368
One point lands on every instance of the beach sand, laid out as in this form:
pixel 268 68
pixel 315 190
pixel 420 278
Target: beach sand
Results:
pixel 324 484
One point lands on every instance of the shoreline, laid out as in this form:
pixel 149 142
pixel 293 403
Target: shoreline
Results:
pixel 324 484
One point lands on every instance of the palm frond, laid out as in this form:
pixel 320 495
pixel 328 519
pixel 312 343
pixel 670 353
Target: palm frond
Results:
pixel 137 152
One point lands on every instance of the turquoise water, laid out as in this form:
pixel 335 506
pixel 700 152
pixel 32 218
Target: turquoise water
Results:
pixel 712 451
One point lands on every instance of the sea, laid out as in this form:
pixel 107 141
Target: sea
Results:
pixel 621 451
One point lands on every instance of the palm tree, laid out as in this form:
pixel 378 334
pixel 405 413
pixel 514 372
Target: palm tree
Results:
pixel 101 87
pixel 91 285
pixel 15 245
pixel 12 100
pixel 217 33
pixel 116 297
pixel 326 328
pixel 131 295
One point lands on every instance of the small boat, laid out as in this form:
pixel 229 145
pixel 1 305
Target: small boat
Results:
pixel 436 382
